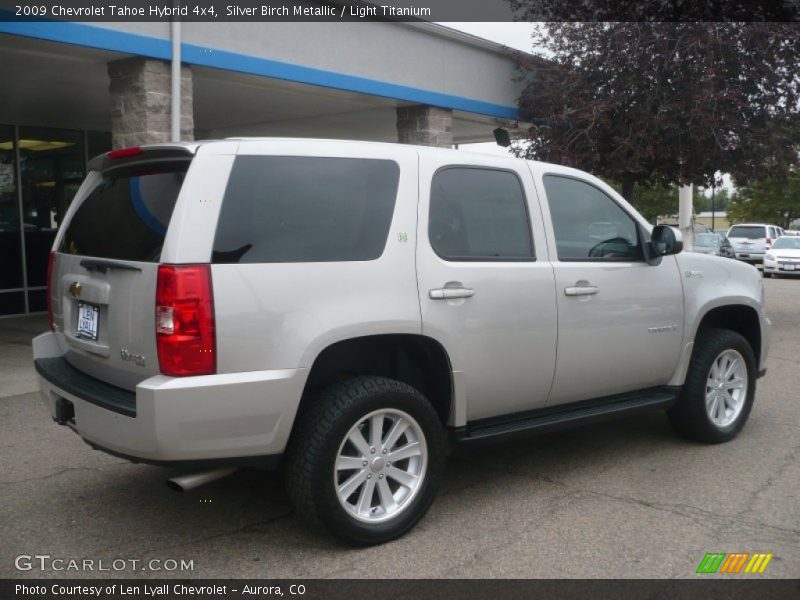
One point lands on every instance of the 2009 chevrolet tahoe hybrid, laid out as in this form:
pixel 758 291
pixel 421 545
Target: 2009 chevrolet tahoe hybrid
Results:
pixel 350 310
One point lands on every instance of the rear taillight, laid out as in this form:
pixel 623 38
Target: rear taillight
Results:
pixel 51 288
pixel 185 320
pixel 769 243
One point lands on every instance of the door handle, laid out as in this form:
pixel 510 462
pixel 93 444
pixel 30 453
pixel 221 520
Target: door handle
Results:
pixel 451 293
pixel 581 290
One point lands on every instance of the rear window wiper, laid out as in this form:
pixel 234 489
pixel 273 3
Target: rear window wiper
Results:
pixel 95 264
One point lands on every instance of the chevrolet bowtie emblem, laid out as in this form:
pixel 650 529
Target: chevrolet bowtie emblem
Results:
pixel 75 289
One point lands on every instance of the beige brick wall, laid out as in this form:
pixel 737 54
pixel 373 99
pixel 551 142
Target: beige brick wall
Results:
pixel 141 99
pixel 425 126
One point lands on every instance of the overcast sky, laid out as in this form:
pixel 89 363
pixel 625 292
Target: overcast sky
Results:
pixel 513 35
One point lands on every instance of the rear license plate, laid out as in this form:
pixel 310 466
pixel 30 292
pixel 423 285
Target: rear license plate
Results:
pixel 88 319
pixel 788 267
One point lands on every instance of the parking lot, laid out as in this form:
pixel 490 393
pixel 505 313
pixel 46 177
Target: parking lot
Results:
pixel 622 499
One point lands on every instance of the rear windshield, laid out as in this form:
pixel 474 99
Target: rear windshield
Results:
pixel 787 243
pixel 751 233
pixel 126 215
pixel 306 209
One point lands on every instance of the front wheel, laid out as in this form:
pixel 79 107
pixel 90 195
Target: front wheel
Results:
pixel 719 390
pixel 365 459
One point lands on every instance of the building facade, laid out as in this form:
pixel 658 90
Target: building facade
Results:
pixel 74 90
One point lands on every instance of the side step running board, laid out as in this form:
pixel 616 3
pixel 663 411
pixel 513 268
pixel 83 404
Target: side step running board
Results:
pixel 563 417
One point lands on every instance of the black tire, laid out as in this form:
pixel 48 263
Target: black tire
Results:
pixel 320 429
pixel 689 415
pixel 767 275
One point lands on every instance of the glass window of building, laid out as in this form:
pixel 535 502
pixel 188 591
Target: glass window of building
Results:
pixel 34 196
pixel 97 142
pixel 11 302
pixel 52 167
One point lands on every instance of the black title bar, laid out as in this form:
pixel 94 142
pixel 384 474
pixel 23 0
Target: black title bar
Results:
pixel 732 588
pixel 401 10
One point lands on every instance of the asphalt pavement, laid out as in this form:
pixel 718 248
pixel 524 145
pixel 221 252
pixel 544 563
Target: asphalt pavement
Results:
pixel 622 499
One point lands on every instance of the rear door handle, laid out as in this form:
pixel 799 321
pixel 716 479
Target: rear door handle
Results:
pixel 581 290
pixel 450 293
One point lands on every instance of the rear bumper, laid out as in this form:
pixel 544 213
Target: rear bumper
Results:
pixel 750 256
pixel 213 419
pixel 58 371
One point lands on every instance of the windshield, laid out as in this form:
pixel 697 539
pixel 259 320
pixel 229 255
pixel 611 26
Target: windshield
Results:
pixel 707 239
pixel 126 215
pixel 787 243
pixel 751 233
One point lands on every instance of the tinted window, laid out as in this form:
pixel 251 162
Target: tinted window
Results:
pixel 479 214
pixel 588 224
pixel 126 215
pixel 751 233
pixel 306 209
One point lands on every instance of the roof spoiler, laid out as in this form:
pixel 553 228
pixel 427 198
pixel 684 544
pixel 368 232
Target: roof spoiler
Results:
pixel 133 154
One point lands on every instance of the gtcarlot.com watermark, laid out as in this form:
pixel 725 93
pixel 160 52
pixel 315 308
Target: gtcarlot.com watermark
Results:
pixel 46 562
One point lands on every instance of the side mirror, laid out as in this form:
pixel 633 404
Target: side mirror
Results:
pixel 665 240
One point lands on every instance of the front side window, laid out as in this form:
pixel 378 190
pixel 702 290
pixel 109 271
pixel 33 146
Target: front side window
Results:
pixel 479 215
pixel 588 224
pixel 306 209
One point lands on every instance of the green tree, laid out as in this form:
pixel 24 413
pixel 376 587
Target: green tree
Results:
pixel 703 202
pixel 664 103
pixel 655 201
pixel 767 201
pixel 651 201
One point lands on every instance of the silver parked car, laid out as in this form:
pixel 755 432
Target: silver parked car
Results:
pixel 713 243
pixel 348 310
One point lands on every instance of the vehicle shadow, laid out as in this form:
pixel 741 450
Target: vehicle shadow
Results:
pixel 249 509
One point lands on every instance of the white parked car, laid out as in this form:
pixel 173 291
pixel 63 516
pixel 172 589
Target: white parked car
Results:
pixel 783 258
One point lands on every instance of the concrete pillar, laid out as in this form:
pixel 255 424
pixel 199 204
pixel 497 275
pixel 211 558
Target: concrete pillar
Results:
pixel 425 126
pixel 140 102
pixel 685 213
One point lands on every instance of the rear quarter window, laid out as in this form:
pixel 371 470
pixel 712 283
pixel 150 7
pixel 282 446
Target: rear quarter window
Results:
pixel 306 209
pixel 126 215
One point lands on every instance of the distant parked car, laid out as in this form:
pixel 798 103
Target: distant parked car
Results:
pixel 713 243
pixel 783 258
pixel 752 240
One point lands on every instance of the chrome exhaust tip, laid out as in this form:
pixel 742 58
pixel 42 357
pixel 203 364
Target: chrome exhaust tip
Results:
pixel 184 483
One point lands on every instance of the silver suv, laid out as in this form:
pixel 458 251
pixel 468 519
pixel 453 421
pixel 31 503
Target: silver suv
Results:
pixel 752 240
pixel 350 311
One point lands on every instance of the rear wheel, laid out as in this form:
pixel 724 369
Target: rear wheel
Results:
pixel 719 390
pixel 365 459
